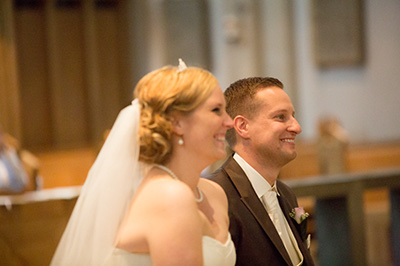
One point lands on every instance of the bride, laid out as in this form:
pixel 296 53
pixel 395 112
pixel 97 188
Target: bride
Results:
pixel 143 202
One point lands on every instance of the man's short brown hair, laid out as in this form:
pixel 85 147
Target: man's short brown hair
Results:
pixel 240 99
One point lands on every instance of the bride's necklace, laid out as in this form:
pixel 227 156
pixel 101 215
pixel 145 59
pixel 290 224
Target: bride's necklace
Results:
pixel 166 169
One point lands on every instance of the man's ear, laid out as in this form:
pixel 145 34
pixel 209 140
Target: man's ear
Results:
pixel 241 125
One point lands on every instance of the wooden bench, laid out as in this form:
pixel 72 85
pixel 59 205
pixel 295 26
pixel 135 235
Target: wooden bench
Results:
pixel 32 225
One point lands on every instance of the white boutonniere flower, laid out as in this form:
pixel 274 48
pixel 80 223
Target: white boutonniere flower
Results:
pixel 299 215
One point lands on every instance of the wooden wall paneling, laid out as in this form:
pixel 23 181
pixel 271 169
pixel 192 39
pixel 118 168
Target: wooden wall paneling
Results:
pixel 9 93
pixel 67 74
pixel 108 42
pixel 33 76
pixel 94 99
pixel 104 45
pixel 127 62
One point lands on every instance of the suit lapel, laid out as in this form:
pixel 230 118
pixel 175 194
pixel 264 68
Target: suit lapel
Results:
pixel 253 203
pixel 286 208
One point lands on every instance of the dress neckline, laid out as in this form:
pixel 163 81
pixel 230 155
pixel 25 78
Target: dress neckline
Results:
pixel 223 244
pixel 228 240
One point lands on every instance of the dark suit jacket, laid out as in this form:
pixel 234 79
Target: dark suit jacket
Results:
pixel 256 240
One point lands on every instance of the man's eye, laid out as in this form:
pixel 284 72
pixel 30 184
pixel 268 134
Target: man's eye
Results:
pixel 281 117
pixel 217 110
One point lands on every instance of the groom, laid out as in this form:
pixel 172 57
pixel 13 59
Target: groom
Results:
pixel 260 205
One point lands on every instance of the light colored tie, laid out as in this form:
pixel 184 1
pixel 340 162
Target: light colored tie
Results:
pixel 274 210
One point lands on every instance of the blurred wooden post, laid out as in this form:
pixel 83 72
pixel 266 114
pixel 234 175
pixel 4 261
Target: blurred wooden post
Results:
pixel 395 225
pixel 332 220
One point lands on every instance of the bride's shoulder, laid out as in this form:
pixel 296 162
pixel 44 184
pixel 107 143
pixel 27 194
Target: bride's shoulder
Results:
pixel 166 191
pixel 212 189
pixel 211 185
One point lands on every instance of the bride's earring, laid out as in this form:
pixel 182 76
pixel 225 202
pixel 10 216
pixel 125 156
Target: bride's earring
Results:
pixel 180 141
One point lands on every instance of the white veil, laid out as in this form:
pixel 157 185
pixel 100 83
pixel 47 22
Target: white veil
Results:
pixel 114 177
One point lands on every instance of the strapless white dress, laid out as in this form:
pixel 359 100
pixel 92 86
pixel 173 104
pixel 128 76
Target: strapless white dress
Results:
pixel 215 253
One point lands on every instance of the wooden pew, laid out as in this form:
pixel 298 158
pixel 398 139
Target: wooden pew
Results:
pixel 31 224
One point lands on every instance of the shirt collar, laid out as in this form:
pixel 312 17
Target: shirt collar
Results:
pixel 260 185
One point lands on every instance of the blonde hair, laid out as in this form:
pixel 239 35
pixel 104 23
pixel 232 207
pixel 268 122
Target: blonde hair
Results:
pixel 161 93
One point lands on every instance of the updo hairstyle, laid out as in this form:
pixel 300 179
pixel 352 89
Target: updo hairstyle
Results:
pixel 162 93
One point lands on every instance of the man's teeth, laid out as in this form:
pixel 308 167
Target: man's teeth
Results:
pixel 221 138
pixel 288 140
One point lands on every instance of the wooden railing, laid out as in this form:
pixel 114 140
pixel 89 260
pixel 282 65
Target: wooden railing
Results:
pixel 32 223
pixel 347 190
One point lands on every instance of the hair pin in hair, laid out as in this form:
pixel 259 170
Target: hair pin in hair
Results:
pixel 182 66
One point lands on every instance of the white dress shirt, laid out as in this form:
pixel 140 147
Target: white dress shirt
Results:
pixel 268 196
